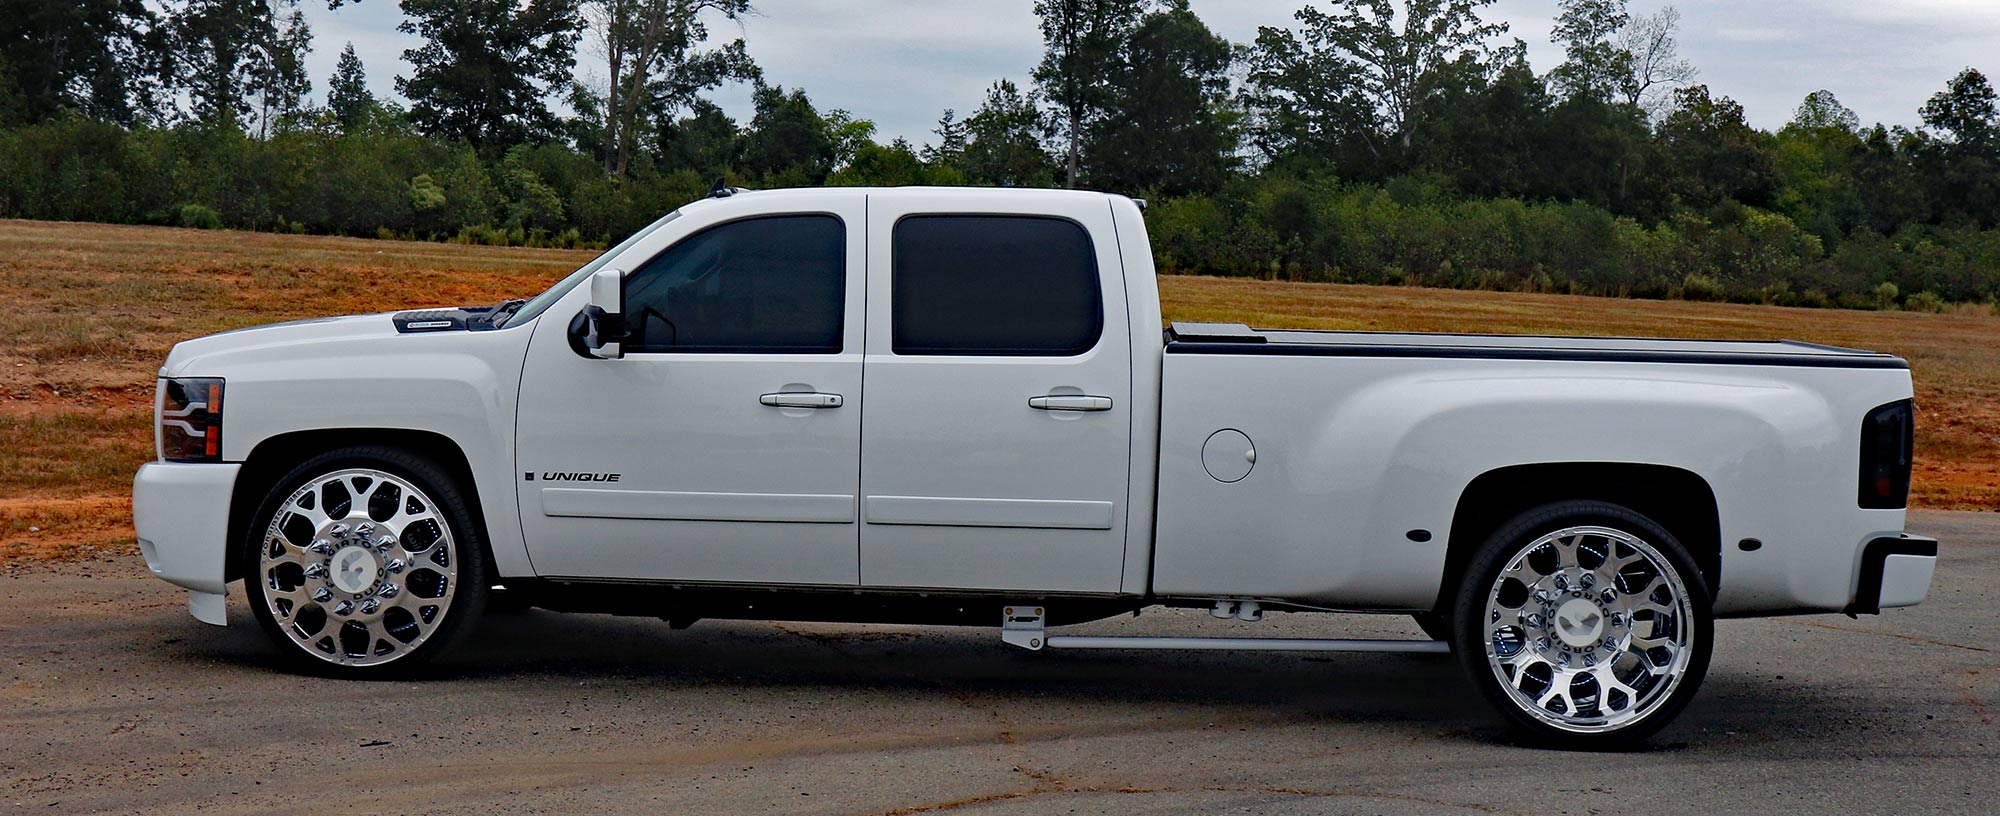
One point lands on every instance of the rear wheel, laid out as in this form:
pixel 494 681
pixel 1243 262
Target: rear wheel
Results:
pixel 364 562
pixel 1585 624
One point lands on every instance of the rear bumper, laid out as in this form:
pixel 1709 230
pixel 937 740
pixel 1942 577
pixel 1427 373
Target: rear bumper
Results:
pixel 181 515
pixel 1895 571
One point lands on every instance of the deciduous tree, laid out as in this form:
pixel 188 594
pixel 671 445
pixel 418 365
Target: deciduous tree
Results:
pixel 1822 111
pixel 99 58
pixel 1383 52
pixel 1004 139
pixel 1966 113
pixel 1595 65
pixel 788 143
pixel 1711 152
pixel 658 65
pixel 1083 39
pixel 221 49
pixel 1657 67
pixel 1167 123
pixel 281 85
pixel 487 67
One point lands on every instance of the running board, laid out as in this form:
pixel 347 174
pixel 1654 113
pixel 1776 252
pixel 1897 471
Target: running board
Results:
pixel 1022 626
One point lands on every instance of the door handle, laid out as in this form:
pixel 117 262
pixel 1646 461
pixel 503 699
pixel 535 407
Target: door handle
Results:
pixel 1070 402
pixel 801 400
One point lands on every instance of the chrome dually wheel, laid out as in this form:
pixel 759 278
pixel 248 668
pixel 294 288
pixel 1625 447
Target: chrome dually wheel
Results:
pixel 358 567
pixel 362 559
pixel 1588 628
pixel 1586 623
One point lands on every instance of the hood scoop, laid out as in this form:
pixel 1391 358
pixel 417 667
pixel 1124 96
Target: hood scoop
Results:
pixel 425 321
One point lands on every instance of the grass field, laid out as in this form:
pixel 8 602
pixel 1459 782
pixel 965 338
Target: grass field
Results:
pixel 92 309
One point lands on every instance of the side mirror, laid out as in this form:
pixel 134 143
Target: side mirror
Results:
pixel 598 330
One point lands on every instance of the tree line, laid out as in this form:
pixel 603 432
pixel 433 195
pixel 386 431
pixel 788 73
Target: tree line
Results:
pixel 1371 141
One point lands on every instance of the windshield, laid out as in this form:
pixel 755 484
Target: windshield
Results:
pixel 543 301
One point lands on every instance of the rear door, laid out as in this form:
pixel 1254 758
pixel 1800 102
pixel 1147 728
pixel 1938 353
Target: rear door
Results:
pixel 996 440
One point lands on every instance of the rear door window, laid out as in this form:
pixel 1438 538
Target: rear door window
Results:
pixel 993 285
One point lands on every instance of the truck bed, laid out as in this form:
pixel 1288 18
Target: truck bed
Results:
pixel 1236 338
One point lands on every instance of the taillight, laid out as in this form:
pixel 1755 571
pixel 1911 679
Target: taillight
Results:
pixel 1887 440
pixel 191 420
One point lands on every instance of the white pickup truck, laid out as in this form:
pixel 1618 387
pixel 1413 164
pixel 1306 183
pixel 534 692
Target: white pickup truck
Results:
pixel 955 406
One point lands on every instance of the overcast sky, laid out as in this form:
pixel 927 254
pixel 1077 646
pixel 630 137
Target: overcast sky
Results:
pixel 902 62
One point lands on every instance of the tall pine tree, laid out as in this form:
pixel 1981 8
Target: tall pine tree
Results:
pixel 347 94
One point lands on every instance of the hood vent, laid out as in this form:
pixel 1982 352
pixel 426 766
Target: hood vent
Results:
pixel 425 321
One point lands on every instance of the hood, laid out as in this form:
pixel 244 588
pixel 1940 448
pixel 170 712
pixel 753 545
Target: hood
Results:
pixel 186 358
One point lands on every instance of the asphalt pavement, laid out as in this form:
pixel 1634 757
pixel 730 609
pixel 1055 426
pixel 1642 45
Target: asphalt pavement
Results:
pixel 113 700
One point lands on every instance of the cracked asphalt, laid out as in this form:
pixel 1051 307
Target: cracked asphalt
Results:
pixel 113 700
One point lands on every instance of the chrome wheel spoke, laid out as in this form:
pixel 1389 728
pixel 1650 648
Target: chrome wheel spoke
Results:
pixel 1566 557
pixel 1608 682
pixel 287 554
pixel 1555 692
pixel 1652 642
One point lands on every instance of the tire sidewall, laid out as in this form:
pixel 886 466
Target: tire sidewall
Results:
pixel 1469 610
pixel 474 574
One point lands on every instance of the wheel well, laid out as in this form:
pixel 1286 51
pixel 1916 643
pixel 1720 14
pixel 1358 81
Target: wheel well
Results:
pixel 273 457
pixel 1679 500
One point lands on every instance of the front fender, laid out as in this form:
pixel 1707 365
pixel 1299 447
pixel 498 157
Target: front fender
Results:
pixel 462 386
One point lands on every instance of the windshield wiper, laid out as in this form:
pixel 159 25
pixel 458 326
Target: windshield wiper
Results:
pixel 497 316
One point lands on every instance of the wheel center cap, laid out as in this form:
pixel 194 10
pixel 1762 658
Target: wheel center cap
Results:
pixel 353 569
pixel 1579 622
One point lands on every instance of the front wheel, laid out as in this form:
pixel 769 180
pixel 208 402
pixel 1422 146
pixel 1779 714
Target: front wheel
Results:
pixel 363 562
pixel 1586 624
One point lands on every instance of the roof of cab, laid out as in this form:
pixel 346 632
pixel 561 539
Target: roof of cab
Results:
pixel 918 191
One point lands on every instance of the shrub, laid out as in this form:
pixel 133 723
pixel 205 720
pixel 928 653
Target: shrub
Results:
pixel 1926 302
pixel 481 234
pixel 1703 288
pixel 196 216
pixel 1885 296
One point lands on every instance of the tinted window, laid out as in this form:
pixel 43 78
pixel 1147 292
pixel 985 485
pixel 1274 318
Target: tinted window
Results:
pixel 764 285
pixel 990 284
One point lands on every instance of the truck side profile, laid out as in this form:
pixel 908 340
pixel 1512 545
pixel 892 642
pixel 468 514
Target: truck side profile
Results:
pixel 961 406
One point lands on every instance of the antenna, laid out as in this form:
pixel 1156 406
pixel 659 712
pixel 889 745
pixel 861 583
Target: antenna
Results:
pixel 721 188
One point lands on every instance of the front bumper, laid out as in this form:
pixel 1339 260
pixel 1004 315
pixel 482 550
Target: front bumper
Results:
pixel 181 515
pixel 1895 571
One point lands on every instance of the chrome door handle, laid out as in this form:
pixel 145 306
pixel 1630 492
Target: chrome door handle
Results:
pixel 1070 402
pixel 801 400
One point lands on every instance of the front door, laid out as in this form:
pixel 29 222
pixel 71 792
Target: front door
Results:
pixel 996 441
pixel 725 445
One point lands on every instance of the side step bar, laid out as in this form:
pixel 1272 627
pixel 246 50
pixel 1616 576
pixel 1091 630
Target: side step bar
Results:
pixel 1022 626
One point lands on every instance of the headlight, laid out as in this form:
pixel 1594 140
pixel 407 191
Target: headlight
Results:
pixel 191 419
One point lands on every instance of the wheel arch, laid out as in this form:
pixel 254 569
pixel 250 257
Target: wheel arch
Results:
pixel 1678 499
pixel 275 455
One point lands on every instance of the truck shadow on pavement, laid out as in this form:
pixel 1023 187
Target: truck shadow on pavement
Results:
pixel 539 655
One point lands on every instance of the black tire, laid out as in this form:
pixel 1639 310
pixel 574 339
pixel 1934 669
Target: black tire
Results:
pixel 1472 645
pixel 467 549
